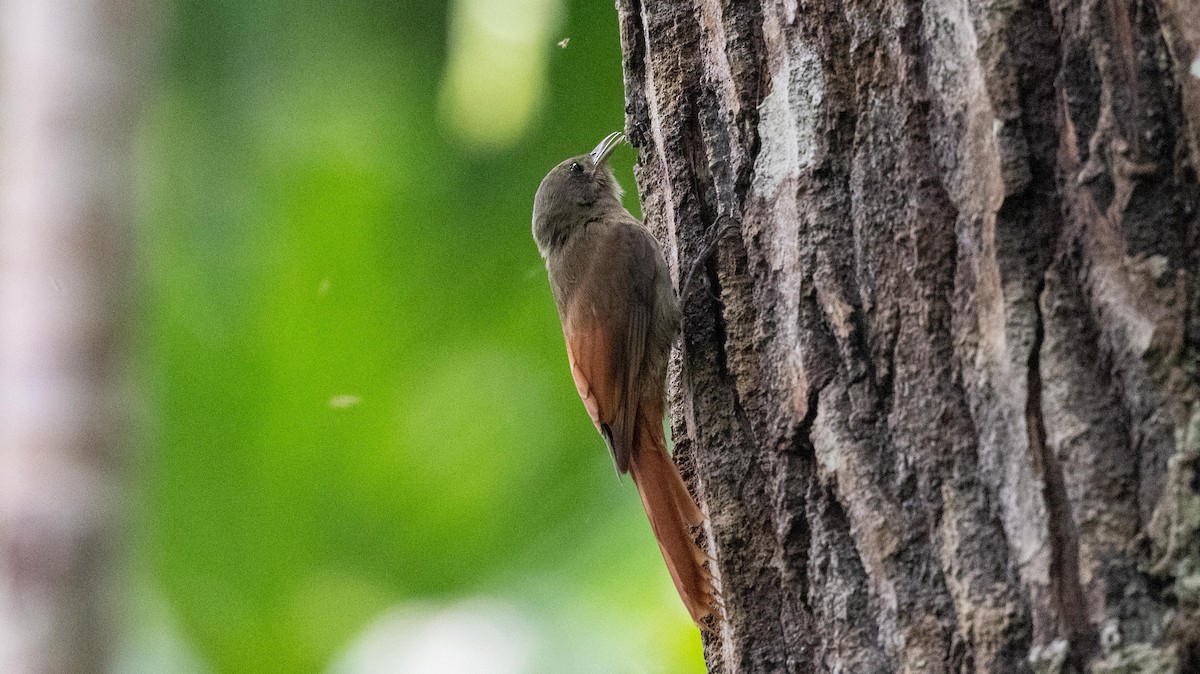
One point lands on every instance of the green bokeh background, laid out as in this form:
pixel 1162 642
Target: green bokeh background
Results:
pixel 357 399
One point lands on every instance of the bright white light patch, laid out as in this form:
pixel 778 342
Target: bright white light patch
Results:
pixel 496 69
pixel 468 638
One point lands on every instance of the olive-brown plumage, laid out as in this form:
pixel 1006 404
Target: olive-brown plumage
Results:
pixel 620 316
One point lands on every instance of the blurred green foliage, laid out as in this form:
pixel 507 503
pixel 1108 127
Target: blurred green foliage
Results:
pixel 356 385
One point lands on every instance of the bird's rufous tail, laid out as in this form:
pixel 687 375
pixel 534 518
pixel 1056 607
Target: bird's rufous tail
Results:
pixel 672 515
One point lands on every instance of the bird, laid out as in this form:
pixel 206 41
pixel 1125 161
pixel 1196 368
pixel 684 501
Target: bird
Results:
pixel 620 317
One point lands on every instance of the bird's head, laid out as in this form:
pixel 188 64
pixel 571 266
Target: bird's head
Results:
pixel 575 192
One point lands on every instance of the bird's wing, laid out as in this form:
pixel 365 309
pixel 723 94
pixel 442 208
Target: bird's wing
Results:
pixel 606 326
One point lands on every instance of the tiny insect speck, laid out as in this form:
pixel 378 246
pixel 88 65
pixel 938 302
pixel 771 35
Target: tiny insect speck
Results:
pixel 343 401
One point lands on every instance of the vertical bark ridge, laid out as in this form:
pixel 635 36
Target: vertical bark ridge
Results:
pixel 675 173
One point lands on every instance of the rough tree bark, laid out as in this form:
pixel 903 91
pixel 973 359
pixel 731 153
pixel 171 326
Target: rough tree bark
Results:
pixel 939 392
pixel 68 95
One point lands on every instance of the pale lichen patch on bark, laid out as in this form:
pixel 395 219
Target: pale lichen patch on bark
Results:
pixel 1174 529
pixel 787 131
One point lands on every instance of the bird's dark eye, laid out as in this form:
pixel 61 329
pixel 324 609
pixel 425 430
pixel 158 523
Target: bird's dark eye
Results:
pixel 576 168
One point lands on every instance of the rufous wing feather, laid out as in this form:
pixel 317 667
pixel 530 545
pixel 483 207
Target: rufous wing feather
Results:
pixel 590 354
pixel 599 352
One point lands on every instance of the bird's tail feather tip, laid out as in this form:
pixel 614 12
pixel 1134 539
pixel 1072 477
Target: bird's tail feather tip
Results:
pixel 672 515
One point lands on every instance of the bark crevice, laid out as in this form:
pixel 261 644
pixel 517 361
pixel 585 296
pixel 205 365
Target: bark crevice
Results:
pixel 1063 537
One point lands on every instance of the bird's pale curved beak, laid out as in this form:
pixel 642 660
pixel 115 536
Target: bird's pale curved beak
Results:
pixel 606 146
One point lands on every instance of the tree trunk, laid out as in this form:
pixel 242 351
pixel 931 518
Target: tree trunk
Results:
pixel 67 99
pixel 938 391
